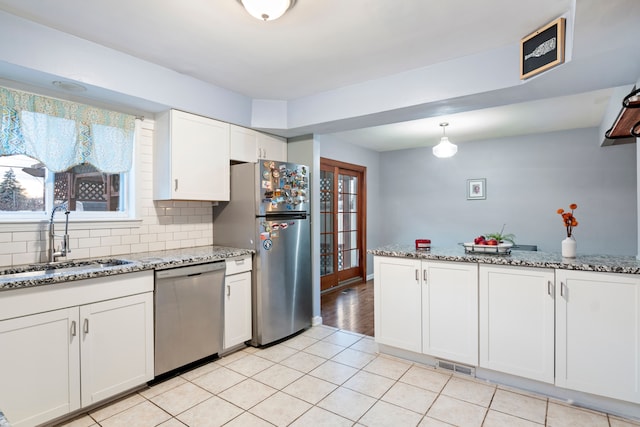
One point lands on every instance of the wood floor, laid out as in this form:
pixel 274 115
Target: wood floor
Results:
pixel 349 308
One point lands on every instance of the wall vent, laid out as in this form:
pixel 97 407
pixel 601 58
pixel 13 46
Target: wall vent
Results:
pixel 454 367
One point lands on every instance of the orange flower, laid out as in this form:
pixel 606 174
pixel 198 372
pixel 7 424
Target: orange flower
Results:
pixel 568 219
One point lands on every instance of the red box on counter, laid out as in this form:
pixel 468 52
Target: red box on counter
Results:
pixel 423 244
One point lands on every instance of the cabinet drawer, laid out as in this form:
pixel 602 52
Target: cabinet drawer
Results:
pixel 238 265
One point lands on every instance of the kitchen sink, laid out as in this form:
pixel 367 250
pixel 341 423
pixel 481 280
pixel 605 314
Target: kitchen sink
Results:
pixel 60 268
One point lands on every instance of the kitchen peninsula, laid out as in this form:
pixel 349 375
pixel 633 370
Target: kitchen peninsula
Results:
pixel 567 328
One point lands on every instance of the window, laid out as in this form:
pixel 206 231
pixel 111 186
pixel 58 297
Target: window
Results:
pixel 55 152
pixel 28 188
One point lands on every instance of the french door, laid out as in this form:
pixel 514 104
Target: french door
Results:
pixel 342 223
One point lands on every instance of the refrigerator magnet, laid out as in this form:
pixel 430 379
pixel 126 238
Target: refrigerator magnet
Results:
pixel 267 244
pixel 266 185
pixel 264 236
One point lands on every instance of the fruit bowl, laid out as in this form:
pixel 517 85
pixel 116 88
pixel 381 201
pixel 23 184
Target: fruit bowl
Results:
pixel 500 248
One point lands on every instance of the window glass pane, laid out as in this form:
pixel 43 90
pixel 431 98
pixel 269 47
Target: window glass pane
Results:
pixel 326 223
pixel 22 183
pixel 87 189
pixel 326 265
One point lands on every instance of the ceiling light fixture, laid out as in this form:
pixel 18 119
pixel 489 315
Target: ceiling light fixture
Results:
pixel 444 148
pixel 69 86
pixel 267 10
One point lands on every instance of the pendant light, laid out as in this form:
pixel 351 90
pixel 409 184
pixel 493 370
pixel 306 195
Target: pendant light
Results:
pixel 444 148
pixel 267 10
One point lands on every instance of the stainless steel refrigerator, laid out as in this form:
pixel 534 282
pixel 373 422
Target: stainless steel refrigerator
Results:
pixel 269 212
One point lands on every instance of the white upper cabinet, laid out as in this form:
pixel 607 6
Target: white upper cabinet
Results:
pixel 191 158
pixel 517 309
pixel 248 145
pixel 598 333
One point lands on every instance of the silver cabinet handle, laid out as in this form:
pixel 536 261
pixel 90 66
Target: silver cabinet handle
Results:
pixel 86 326
pixel 417 275
pixel 424 276
pixel 176 185
pixel 228 290
pixel 73 328
pixel 549 287
pixel 561 289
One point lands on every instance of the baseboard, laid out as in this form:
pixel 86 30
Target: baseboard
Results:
pixel 369 277
pixel 316 320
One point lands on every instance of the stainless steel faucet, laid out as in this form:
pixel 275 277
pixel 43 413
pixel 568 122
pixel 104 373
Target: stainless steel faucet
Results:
pixel 64 245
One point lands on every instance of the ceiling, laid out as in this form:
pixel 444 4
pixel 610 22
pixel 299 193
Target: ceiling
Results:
pixel 323 46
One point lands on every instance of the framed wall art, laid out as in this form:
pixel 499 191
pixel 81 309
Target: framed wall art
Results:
pixel 542 49
pixel 477 189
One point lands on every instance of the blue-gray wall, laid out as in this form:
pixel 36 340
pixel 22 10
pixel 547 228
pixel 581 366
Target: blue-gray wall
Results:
pixel 412 194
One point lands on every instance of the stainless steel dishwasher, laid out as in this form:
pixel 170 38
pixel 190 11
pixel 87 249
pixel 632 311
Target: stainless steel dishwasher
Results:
pixel 188 314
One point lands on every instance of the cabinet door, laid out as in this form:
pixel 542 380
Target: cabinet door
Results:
pixel 450 311
pixel 272 147
pixel 517 309
pixel 117 346
pixel 397 300
pixel 237 309
pixel 243 144
pixel 39 366
pixel 598 333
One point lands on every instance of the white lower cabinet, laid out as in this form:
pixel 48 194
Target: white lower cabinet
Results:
pixel 237 302
pixel 598 333
pixel 517 321
pixel 428 307
pixel 63 359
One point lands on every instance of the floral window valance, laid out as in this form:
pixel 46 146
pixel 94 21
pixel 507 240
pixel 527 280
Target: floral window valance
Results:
pixel 62 134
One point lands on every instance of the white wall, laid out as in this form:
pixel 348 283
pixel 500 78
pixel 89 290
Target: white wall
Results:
pixel 332 148
pixel 528 179
pixel 162 225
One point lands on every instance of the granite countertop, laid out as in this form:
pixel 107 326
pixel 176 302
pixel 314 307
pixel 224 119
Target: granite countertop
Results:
pixel 23 276
pixel 602 263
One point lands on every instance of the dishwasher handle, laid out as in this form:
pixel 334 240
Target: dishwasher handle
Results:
pixel 191 270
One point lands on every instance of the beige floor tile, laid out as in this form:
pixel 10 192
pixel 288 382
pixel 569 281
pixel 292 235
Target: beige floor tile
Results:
pixel 519 405
pixel 622 422
pixel 247 394
pixel 345 339
pixel 319 332
pixel 324 349
pixel 146 414
pixel 432 422
pixel 410 397
pixel 199 371
pixel 162 387
pixel 280 409
pixel 83 421
pixel 219 380
pixel 116 407
pixel 310 389
pixel 333 372
pixel 230 358
pixel 347 403
pixel 213 412
pixel 426 378
pixel 278 376
pixel 384 414
pixel 457 412
pixel 388 367
pixel 173 422
pixel 303 362
pixel 370 384
pixel 300 342
pixel 318 417
pixel 469 391
pixel 354 358
pixel 566 416
pixel 181 398
pixel 499 419
pixel 250 365
pixel 276 353
pixel 247 419
pixel 367 345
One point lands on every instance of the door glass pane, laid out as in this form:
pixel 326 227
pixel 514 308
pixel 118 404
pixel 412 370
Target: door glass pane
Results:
pixel 327 222
pixel 326 191
pixel 355 258
pixel 326 265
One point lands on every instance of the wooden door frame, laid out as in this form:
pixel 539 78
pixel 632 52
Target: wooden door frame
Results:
pixel 362 213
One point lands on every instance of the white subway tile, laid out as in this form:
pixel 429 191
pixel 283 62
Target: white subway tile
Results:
pixel 111 241
pixel 157 246
pixel 13 248
pixel 135 238
pixel 100 251
pixel 99 232
pixel 140 247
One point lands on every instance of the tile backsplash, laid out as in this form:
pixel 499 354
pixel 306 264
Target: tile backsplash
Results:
pixel 162 224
